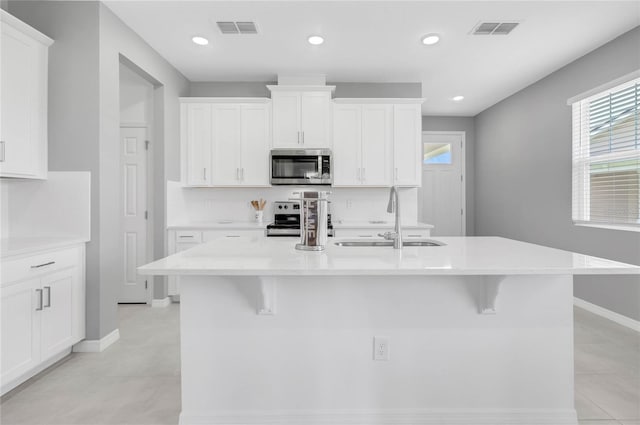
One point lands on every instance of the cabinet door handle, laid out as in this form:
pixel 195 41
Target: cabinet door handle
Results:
pixel 2 153
pixel 242 174
pixel 298 137
pixel 396 174
pixel 48 288
pixel 39 291
pixel 43 265
pixel 204 174
pixel 303 137
pixel 363 177
pixel 237 174
pixel 358 173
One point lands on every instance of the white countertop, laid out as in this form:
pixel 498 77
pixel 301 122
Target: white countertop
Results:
pixel 341 224
pixel 248 225
pixel 29 245
pixel 260 256
pixel 216 225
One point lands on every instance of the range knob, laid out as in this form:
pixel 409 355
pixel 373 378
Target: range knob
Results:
pixel 279 207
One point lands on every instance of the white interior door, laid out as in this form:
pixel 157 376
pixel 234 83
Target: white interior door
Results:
pixel 442 192
pixel 134 176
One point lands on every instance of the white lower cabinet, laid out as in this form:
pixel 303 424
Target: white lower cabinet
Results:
pixel 43 311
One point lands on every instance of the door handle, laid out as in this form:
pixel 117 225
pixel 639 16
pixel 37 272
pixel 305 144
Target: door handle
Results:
pixel 237 174
pixel 2 158
pixel 363 177
pixel 204 174
pixel 242 174
pixel 298 137
pixel 40 299
pixel 358 173
pixel 303 137
pixel 48 288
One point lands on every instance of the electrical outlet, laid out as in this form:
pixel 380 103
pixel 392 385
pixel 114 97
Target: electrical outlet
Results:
pixel 380 348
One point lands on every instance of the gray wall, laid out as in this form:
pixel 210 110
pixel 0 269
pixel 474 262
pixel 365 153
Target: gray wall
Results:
pixel 74 113
pixel 259 89
pixel 523 172
pixel 466 124
pixel 84 122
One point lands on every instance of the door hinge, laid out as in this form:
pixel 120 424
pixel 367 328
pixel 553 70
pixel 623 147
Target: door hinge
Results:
pixel 146 285
pixel 146 145
pixel 146 215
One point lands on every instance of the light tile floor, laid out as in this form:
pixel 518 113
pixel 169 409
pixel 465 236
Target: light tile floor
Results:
pixel 137 380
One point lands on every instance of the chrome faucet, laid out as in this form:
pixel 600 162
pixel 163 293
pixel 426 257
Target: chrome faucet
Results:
pixel 394 206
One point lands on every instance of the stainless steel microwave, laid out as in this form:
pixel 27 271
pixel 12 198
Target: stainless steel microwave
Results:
pixel 301 166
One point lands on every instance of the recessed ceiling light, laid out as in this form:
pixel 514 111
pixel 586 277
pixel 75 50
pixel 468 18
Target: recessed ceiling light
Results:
pixel 430 39
pixel 457 98
pixel 316 40
pixel 201 41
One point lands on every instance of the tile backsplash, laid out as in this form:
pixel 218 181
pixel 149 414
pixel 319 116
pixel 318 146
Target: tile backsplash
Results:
pixel 193 205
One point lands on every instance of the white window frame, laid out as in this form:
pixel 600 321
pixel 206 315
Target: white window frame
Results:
pixel 581 159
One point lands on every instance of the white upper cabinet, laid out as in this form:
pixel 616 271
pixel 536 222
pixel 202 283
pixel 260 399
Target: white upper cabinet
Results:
pixel 255 144
pixel 301 116
pixel 362 144
pixel 407 145
pixel 226 144
pixel 23 99
pixel 225 141
pixel 196 129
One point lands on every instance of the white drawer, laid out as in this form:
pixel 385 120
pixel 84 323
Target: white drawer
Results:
pixel 373 233
pixel 215 234
pixel 194 236
pixel 416 233
pixel 38 264
pixel 359 233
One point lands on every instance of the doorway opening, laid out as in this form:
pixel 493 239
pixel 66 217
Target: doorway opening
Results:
pixel 442 195
pixel 136 165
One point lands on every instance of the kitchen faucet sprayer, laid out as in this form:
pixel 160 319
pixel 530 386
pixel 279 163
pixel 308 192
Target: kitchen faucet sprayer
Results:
pixel 394 207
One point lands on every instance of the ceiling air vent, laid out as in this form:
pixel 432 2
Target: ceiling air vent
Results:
pixel 494 28
pixel 230 27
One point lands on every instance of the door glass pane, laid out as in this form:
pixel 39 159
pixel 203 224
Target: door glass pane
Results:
pixel 437 153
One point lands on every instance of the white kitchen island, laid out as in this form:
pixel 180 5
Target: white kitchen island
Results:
pixel 479 331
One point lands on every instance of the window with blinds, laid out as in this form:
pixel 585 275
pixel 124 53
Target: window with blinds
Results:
pixel 606 157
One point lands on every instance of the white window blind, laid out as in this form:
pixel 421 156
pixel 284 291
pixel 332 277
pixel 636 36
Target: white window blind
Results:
pixel 606 157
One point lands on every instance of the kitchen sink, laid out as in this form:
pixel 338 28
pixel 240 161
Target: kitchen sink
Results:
pixel 422 242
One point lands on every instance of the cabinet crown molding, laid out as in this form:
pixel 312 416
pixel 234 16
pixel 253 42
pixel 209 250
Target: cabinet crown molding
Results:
pixel 225 100
pixel 9 19
pixel 285 87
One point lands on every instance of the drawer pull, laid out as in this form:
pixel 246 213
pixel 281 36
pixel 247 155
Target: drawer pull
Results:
pixel 43 265
pixel 39 291
pixel 365 236
pixel 186 236
pixel 232 236
pixel 414 236
pixel 48 288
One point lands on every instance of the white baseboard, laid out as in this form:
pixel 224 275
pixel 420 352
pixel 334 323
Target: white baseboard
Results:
pixel 607 314
pixel 387 417
pixel 164 302
pixel 10 385
pixel 97 345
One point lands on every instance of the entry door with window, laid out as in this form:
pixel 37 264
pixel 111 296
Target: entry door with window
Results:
pixel 442 192
pixel 134 176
